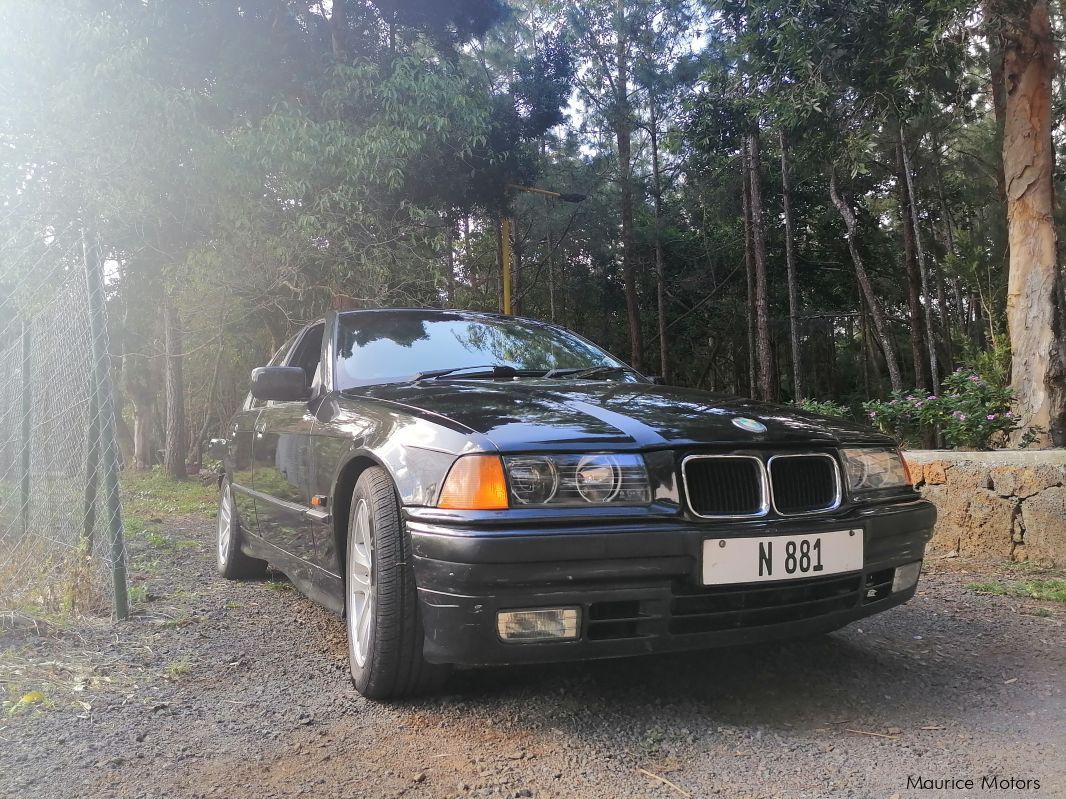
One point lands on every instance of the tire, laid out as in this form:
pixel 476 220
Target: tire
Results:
pixel 233 564
pixel 384 625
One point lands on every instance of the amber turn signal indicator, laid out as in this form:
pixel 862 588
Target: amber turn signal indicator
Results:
pixel 475 482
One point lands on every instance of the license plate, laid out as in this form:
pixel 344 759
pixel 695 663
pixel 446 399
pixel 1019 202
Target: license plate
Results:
pixel 782 557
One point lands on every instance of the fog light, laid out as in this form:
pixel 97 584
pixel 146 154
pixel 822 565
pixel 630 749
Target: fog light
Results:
pixel 542 624
pixel 906 576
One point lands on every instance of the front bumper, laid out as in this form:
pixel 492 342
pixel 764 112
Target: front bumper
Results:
pixel 638 584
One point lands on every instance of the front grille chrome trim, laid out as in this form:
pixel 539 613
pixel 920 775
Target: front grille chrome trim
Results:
pixel 838 495
pixel 764 486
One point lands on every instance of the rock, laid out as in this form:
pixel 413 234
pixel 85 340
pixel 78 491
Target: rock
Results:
pixel 935 473
pixel 420 777
pixel 1024 482
pixel 1044 519
pixel 987 529
pixel 965 476
pixel 951 515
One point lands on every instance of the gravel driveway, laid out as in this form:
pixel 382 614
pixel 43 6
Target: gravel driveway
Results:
pixel 241 690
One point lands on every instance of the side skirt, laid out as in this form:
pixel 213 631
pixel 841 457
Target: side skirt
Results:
pixel 315 583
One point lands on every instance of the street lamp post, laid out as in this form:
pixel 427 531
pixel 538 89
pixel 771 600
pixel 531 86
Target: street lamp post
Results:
pixel 506 251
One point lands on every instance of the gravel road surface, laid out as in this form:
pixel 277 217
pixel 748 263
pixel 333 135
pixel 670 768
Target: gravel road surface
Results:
pixel 238 690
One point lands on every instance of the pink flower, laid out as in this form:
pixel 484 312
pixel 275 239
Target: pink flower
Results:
pixel 991 417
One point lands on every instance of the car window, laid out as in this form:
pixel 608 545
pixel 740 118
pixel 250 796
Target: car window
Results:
pixel 308 352
pixel 383 346
pixel 279 356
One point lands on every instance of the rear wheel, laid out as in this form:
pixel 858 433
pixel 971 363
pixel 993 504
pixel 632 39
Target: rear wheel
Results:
pixel 233 564
pixel 381 604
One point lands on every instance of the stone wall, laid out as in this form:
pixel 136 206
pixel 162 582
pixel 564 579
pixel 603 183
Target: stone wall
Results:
pixel 996 505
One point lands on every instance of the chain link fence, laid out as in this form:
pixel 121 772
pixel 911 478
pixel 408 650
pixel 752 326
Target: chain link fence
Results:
pixel 61 543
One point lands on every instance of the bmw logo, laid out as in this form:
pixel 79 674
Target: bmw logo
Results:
pixel 750 425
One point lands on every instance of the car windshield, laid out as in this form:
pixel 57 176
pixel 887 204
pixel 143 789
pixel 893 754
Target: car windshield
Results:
pixel 394 346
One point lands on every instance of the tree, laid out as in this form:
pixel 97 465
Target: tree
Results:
pixel 764 371
pixel 608 30
pixel 1035 307
pixel 790 264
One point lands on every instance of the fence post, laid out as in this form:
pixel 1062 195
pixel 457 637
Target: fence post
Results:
pixel 92 471
pixel 25 456
pixel 108 451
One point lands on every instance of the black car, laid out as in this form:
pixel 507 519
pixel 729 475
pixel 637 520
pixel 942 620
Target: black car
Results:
pixel 470 488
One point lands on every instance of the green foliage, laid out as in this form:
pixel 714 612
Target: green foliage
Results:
pixel 969 413
pixel 1049 589
pixel 824 408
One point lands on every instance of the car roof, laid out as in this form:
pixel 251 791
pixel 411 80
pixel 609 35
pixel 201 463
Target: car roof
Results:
pixel 442 313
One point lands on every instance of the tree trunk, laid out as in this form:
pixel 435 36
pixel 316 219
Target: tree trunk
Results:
pixel 175 444
pixel 790 265
pixel 660 268
pixel 1034 292
pixel 338 23
pixel 877 312
pixel 142 397
pixel 764 357
pixel 196 447
pixel 923 269
pixel 918 329
pixel 624 137
pixel 749 269
pixel 499 264
pixel 449 261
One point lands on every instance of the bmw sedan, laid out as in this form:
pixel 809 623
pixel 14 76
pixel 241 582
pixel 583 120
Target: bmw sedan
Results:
pixel 470 488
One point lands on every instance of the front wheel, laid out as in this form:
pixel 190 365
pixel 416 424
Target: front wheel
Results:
pixel 381 604
pixel 233 564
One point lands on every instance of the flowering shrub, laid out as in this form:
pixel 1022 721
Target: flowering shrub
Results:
pixel 970 413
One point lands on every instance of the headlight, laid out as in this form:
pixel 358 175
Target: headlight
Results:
pixel 534 481
pixel 598 479
pixel 873 469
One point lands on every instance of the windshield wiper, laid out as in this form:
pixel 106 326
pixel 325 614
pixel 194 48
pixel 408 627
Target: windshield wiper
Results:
pixel 588 371
pixel 488 370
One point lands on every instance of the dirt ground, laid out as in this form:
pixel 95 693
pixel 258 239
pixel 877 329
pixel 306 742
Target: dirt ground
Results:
pixel 236 690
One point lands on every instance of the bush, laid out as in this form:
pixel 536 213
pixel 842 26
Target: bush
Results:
pixel 824 408
pixel 970 413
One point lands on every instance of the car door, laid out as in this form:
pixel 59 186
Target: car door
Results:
pixel 281 468
pixel 240 440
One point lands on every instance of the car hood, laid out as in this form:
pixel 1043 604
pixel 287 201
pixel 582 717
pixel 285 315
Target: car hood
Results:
pixel 545 414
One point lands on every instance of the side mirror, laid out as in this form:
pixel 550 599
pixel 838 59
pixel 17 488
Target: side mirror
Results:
pixel 217 447
pixel 657 380
pixel 280 383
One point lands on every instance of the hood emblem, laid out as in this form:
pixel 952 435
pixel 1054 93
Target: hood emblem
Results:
pixel 748 425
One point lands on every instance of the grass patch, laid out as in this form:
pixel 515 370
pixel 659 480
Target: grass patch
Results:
pixel 138 594
pixel 178 668
pixel 1050 590
pixel 150 497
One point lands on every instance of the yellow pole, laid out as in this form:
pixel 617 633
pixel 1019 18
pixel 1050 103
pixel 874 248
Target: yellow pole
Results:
pixel 505 265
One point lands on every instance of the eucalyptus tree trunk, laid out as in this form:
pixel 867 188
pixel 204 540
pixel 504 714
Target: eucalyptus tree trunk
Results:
pixel 764 372
pixel 919 331
pixel 623 125
pixel 790 265
pixel 923 269
pixel 660 269
pixel 175 443
pixel 1034 289
pixel 877 311
pixel 749 270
